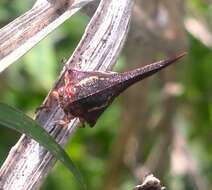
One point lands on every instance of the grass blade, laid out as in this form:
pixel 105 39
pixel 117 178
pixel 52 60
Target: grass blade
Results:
pixel 17 120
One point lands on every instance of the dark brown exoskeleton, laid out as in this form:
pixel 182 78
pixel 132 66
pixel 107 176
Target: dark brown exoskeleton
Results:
pixel 86 94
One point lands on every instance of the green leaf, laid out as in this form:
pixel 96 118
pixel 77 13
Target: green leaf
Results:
pixel 17 120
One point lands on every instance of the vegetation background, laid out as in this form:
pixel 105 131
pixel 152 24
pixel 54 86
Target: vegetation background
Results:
pixel 163 125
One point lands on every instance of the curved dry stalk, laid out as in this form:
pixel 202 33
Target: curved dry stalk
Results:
pixel 97 50
pixel 150 182
pixel 23 33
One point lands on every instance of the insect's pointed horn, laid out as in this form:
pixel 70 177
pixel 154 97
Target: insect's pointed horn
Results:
pixel 157 66
pixel 133 76
pixel 169 61
pixel 148 70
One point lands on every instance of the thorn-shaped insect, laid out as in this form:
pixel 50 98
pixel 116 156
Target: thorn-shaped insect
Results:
pixel 86 94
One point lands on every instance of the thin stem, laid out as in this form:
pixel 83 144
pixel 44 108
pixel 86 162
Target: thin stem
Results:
pixel 97 50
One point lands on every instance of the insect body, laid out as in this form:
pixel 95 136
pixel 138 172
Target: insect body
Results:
pixel 86 94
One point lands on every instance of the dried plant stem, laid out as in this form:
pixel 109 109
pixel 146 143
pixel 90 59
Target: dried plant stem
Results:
pixel 23 33
pixel 28 163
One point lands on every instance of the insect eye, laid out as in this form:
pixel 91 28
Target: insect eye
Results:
pixel 61 91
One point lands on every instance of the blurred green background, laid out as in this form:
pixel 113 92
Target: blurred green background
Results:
pixel 25 84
